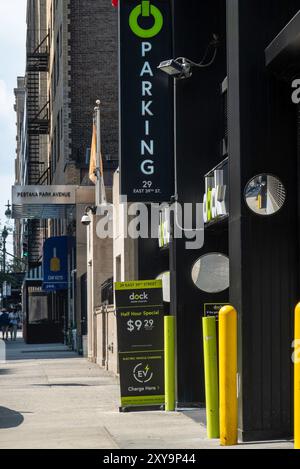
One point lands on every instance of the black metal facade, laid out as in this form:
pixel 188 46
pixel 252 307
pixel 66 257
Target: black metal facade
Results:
pixel 262 132
pixel 264 255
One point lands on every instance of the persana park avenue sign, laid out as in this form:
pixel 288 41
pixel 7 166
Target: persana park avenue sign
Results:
pixel 22 195
pixel 41 201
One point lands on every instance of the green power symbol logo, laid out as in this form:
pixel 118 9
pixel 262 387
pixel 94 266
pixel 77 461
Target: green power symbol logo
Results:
pixel 146 10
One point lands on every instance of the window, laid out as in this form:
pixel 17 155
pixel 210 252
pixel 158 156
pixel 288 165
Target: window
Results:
pixel 58 135
pixel 57 58
pixel 51 160
pixel 54 154
pixel 54 76
pixel 60 42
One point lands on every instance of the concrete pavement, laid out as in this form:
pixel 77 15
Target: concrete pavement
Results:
pixel 51 398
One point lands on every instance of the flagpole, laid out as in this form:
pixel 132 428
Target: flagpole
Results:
pixel 98 127
pixel 98 154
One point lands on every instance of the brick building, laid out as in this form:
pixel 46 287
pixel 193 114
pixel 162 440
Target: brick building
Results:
pixel 71 62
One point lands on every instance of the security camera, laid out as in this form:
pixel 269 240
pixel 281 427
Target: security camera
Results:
pixel 86 221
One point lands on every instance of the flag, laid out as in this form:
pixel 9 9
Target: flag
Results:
pixel 96 172
pixel 93 156
pixel 100 186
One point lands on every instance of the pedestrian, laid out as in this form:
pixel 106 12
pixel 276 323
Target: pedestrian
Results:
pixel 13 324
pixel 4 324
pixel 20 321
pixel 1 312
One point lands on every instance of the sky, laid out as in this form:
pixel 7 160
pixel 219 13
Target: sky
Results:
pixel 12 64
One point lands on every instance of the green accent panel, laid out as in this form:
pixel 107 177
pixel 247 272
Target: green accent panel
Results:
pixel 211 376
pixel 142 400
pixel 130 352
pixel 209 215
pixel 138 285
pixel 169 332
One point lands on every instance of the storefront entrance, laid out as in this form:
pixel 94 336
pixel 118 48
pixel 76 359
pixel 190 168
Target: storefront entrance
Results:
pixel 43 317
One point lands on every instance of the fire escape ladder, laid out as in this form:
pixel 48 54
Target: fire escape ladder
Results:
pixel 38 59
pixel 38 126
pixel 38 123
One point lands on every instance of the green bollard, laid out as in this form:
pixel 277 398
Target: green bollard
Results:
pixel 169 363
pixel 211 376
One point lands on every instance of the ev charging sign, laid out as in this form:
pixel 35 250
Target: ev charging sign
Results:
pixel 146 100
pixel 140 328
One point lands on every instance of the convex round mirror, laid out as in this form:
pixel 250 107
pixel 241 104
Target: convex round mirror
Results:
pixel 210 273
pixel 265 194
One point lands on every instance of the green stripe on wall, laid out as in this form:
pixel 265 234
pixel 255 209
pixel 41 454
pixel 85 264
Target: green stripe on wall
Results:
pixel 138 285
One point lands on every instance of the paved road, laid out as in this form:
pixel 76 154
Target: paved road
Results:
pixel 51 398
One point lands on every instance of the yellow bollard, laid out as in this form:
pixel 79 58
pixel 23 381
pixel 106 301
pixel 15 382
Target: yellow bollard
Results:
pixel 228 376
pixel 296 357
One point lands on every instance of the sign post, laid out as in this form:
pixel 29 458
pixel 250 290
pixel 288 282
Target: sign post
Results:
pixel 211 310
pixel 140 325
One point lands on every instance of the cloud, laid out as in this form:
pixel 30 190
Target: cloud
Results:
pixel 12 39
pixel 6 101
pixel 13 22
pixel 6 182
pixel 7 135
pixel 12 60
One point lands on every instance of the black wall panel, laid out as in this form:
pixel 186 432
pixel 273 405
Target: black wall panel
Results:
pixel 199 132
pixel 263 251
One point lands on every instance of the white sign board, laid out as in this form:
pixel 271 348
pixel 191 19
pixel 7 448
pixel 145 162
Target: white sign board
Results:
pixel 44 195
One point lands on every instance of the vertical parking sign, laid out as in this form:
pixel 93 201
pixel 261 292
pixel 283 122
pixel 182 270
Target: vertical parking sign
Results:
pixel 146 101
pixel 140 325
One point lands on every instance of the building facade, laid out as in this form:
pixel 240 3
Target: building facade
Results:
pixel 71 62
pixel 236 145
pixel 234 119
pixel 20 100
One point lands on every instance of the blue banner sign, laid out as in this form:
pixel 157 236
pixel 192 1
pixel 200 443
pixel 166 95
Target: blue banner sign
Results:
pixel 55 263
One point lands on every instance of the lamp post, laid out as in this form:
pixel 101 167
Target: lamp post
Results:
pixel 179 69
pixel 4 237
pixel 8 210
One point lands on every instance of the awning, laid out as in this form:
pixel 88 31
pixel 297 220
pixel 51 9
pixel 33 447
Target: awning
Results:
pixel 43 212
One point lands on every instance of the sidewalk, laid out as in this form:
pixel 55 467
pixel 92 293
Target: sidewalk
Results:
pixel 51 398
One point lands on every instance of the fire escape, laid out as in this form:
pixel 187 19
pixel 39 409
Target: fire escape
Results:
pixel 38 125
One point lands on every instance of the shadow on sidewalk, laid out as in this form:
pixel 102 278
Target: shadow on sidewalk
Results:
pixel 9 418
pixel 5 372
pixel 19 350
pixel 63 385
pixel 197 415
